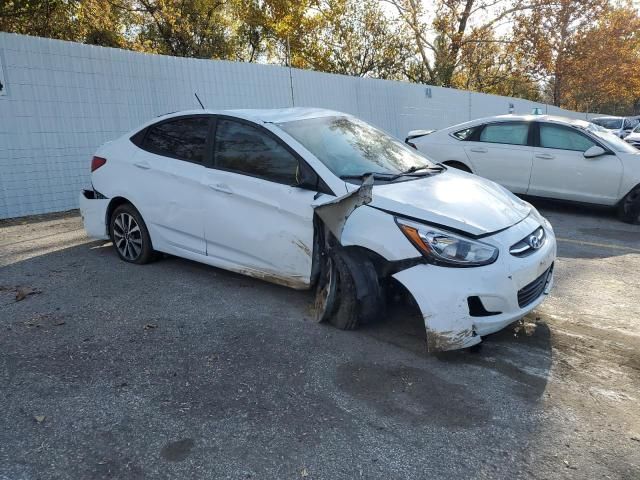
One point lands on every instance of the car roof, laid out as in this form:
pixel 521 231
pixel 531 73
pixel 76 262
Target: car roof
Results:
pixel 523 118
pixel 265 115
pixel 608 117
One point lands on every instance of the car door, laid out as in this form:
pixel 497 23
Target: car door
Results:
pixel 168 171
pixel 560 169
pixel 256 221
pixel 502 152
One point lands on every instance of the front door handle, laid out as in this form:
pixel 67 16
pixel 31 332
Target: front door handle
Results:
pixel 220 187
pixel 478 149
pixel 142 165
pixel 545 156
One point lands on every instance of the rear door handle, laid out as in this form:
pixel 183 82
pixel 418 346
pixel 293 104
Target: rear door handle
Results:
pixel 478 149
pixel 220 187
pixel 143 165
pixel 545 156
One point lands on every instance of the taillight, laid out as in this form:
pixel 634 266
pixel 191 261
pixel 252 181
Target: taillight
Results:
pixel 97 162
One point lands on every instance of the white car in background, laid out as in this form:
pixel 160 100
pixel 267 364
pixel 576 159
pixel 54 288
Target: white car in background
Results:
pixel 619 126
pixel 312 198
pixel 542 156
pixel 634 137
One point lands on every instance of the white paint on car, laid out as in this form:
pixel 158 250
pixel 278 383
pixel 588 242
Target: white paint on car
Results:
pixel 247 223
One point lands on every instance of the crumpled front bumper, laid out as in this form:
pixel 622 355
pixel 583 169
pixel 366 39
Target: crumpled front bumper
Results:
pixel 442 292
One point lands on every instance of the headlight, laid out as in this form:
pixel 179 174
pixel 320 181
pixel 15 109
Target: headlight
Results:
pixel 447 249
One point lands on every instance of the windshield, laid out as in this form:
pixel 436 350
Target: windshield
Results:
pixel 637 129
pixel 611 140
pixel 350 147
pixel 608 123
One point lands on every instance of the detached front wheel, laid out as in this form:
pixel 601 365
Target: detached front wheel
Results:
pixel 348 292
pixel 130 235
pixel 629 208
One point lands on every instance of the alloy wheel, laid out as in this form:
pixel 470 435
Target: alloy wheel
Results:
pixel 127 236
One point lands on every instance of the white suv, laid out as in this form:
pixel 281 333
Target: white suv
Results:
pixel 543 156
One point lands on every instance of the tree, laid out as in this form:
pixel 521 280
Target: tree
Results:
pixel 544 33
pixel 42 18
pixel 355 38
pixel 492 64
pixel 602 68
pixel 441 43
pixel 184 28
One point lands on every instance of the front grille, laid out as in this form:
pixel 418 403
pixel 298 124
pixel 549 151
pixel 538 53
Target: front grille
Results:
pixel 529 244
pixel 532 291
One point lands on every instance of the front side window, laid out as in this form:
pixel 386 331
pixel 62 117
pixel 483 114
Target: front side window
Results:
pixel 245 149
pixel 511 133
pixel 184 138
pixel 350 147
pixel 562 138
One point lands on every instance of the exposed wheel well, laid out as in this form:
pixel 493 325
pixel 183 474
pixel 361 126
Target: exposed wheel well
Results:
pixel 458 165
pixel 113 204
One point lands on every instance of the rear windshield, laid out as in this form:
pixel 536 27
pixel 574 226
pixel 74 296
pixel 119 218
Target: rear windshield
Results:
pixel 608 123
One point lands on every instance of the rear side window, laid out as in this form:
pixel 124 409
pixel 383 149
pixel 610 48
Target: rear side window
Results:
pixel 511 133
pixel 245 149
pixel 553 136
pixel 184 138
pixel 465 134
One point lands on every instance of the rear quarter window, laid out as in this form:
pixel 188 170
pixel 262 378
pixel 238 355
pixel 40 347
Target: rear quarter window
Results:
pixel 183 138
pixel 465 134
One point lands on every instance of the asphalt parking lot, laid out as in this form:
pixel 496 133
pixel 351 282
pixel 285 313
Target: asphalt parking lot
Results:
pixel 180 370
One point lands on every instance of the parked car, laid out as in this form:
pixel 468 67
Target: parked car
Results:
pixel 318 199
pixel 619 126
pixel 544 156
pixel 634 137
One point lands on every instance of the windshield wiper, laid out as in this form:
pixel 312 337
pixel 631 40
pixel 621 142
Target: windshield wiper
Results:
pixel 412 171
pixel 376 176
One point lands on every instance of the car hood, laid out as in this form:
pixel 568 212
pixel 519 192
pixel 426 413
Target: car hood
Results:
pixel 453 199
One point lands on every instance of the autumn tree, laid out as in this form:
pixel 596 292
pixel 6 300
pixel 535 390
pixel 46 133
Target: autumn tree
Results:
pixel 356 38
pixel 602 68
pixel 492 64
pixel 545 32
pixel 444 34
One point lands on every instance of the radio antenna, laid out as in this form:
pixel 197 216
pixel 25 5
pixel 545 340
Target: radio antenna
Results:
pixel 198 98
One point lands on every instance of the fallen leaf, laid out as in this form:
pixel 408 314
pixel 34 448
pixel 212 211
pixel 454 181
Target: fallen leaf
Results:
pixel 149 326
pixel 59 322
pixel 24 292
pixel 304 473
pixel 39 418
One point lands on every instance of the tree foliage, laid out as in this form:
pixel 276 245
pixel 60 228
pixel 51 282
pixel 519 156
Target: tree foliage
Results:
pixel 581 54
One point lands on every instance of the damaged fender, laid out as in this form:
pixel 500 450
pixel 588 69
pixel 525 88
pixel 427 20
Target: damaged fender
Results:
pixel 335 212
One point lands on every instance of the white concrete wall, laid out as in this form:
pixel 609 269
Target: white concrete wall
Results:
pixel 61 100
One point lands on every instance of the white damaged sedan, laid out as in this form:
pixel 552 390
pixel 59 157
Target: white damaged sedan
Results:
pixel 313 198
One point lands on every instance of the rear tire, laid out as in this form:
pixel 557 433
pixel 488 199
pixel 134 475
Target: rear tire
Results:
pixel 458 165
pixel 130 236
pixel 629 208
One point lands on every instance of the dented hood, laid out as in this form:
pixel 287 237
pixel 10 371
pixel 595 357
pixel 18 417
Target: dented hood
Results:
pixel 454 199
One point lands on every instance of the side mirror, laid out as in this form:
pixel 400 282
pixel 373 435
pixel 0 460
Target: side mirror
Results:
pixel 594 151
